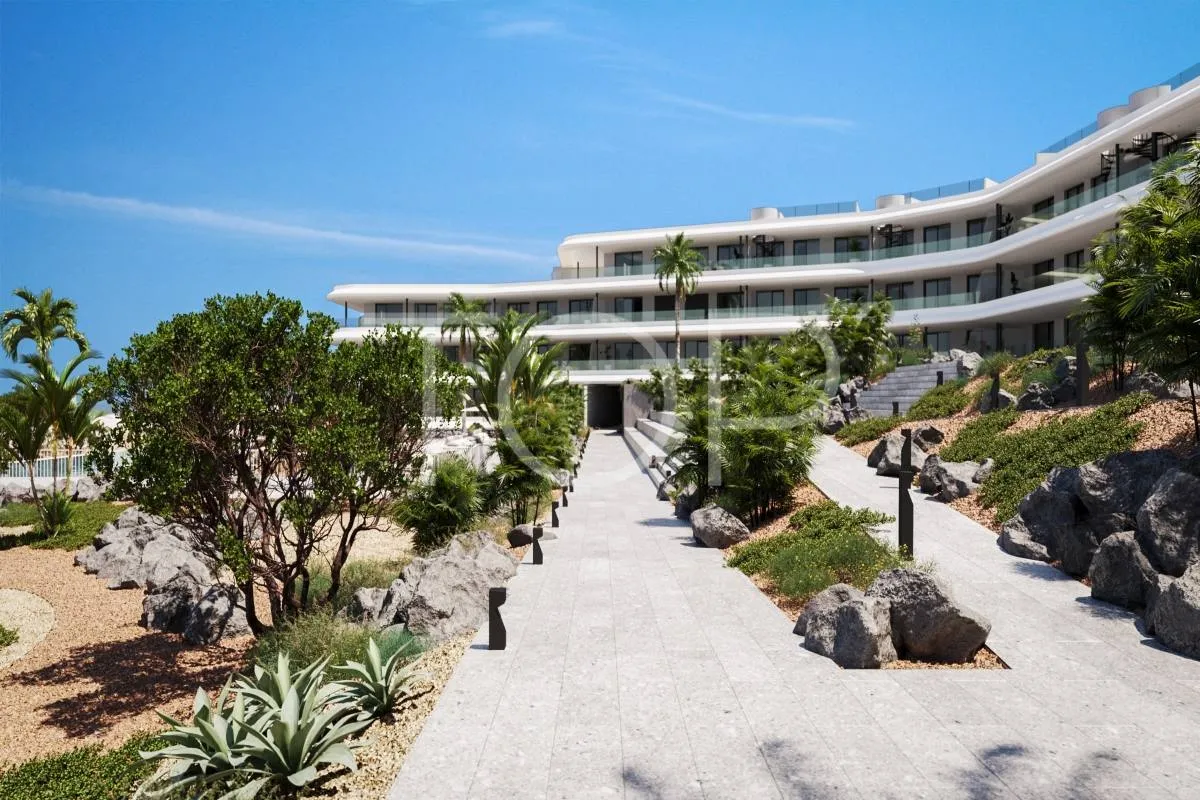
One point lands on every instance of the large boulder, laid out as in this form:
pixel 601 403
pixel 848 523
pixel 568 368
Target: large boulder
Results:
pixel 985 470
pixel 863 634
pixel 1036 397
pixel 220 612
pixel 968 362
pixel 168 606
pixel 1120 572
pixel 927 623
pixel 1146 381
pixel 140 550
pixel 1004 400
pixel 886 455
pixel 948 480
pixel 686 501
pixel 824 600
pixel 926 436
pixel 166 558
pixel 833 419
pixel 1112 489
pixel 1168 523
pixel 713 526
pixel 1016 540
pixel 1175 614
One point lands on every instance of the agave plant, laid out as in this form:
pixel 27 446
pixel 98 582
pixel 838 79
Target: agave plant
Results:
pixel 379 686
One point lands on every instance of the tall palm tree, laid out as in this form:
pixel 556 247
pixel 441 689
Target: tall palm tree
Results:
pixel 43 319
pixel 23 432
pixel 678 263
pixel 503 361
pixel 465 317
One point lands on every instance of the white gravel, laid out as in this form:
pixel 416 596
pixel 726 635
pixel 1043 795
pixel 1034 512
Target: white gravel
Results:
pixel 27 614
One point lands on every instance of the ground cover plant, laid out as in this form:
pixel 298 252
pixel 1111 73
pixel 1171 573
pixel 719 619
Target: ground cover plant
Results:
pixel 320 634
pixel 7 636
pixel 824 544
pixel 86 773
pixel 86 521
pixel 361 573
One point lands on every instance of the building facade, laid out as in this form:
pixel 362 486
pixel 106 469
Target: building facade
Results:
pixel 981 265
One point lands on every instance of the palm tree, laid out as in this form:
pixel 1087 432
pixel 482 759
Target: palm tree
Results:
pixel 678 262
pixel 43 320
pixel 23 432
pixel 465 317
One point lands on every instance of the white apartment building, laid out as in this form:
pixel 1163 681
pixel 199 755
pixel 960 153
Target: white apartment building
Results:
pixel 980 265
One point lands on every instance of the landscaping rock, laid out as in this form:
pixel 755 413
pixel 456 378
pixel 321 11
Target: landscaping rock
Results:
pixel 948 480
pixel 1176 613
pixel 968 362
pixel 1065 391
pixel 927 623
pixel 1006 399
pixel 521 535
pixel 84 488
pixel 863 634
pixel 886 455
pixel 685 503
pixel 140 550
pixel 826 599
pixel 1075 546
pixel 365 605
pixel 1036 397
pixel 820 632
pixel 833 419
pixel 1064 368
pixel 1114 488
pixel 167 607
pixel 984 471
pixel 713 526
pixel 1168 523
pixel 220 612
pixel 1138 381
pixel 165 558
pixel 1016 540
pixel 926 436
pixel 1120 572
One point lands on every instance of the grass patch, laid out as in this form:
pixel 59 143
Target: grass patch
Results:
pixel 319 634
pixel 366 573
pixel 86 522
pixel 941 401
pixel 86 773
pixel 825 543
pixel 7 636
pixel 864 430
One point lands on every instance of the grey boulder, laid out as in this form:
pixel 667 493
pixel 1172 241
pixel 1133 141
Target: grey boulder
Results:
pixel 1168 523
pixel 1120 572
pixel 1016 540
pixel 863 634
pixel 1036 397
pixel 887 455
pixel 948 480
pixel 220 612
pixel 926 436
pixel 167 607
pixel 927 623
pixel 1176 613
pixel 1113 488
pixel 1004 400
pixel 824 600
pixel 713 526
pixel 968 362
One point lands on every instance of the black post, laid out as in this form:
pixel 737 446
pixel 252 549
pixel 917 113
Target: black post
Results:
pixel 497 635
pixel 941 377
pixel 563 491
pixel 1083 372
pixel 537 544
pixel 895 408
pixel 553 513
pixel 994 392
pixel 571 484
pixel 906 510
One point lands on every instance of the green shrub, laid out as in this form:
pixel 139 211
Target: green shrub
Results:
pixel 977 440
pixel 86 773
pixel 839 556
pixel 7 636
pixel 318 634
pixel 86 521
pixel 1023 459
pixel 864 430
pixel 940 401
pixel 810 523
pixel 996 364
pixel 365 573
pixel 447 502
pixel 15 514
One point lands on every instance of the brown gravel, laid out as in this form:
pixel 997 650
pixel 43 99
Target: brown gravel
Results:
pixel 1166 423
pixel 970 507
pixel 984 659
pixel 805 494
pixel 97 677
pixel 389 741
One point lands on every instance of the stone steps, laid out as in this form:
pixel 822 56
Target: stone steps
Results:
pixel 661 434
pixel 903 385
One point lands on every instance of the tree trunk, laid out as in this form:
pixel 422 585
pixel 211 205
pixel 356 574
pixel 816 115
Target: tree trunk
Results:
pixel 256 626
pixel 678 336
pixel 1195 418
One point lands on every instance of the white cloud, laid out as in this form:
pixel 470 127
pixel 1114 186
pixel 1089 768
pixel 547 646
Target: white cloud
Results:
pixel 759 117
pixel 252 226
pixel 525 28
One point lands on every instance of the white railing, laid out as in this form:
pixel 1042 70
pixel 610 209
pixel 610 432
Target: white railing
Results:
pixel 45 467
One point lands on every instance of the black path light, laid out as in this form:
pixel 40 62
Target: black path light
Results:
pixel 538 531
pixel 941 377
pixel 905 517
pixel 553 513
pixel 497 634
pixel 1083 371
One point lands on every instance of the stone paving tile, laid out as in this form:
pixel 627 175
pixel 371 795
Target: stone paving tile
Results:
pixel 639 666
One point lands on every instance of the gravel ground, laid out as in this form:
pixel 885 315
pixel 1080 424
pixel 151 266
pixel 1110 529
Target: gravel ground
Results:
pixel 27 614
pixel 388 741
pixel 97 677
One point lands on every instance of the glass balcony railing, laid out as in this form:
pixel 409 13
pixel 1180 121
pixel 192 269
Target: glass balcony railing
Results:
pixel 819 209
pixel 948 190
pixel 1020 223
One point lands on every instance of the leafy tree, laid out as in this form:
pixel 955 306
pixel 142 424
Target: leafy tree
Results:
pixel 243 423
pixel 466 317
pixel 42 320
pixel 860 334
pixel 1101 317
pixel 24 430
pixel 678 267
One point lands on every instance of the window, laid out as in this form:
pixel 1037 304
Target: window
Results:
pixel 547 308
pixel 728 252
pixel 580 306
pixel 627 306
pixel 771 298
pixel 730 300
pixel 627 263
pixel 450 351
pixel 520 308
pixel 703 253
pixel 579 352
pixel 425 311
pixel 628 351
pixel 389 309
pixel 973 286
pixel 805 298
pixel 849 248
pixel 976 231
pixel 851 293
pixel 806 251
pixel 1073 262
pixel 1073 197
pixel 937 292
pixel 938 341
pixel 1043 335
pixel 768 250
pixel 937 238
pixel 900 291
pixel 693 348
pixel 1041 273
pixel 1043 209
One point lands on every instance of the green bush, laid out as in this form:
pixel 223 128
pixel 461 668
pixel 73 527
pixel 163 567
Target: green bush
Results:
pixel 318 634
pixel 1023 459
pixel 940 401
pixel 864 430
pixel 86 521
pixel 825 543
pixel 7 636
pixel 86 773
pixel 365 573
pixel 444 504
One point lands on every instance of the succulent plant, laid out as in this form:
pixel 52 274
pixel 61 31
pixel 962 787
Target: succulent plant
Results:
pixel 377 686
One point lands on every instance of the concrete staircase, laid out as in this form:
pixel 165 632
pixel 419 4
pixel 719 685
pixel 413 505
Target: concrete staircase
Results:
pixel 904 385
pixel 649 440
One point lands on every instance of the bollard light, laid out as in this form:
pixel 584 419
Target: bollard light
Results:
pixel 537 544
pixel 497 634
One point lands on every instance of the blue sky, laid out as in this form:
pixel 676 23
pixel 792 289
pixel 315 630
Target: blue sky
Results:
pixel 155 153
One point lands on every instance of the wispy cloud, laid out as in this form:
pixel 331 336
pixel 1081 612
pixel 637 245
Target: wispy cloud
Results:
pixel 401 247
pixel 525 29
pixel 757 117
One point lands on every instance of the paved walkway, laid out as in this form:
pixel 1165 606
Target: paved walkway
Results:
pixel 638 666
